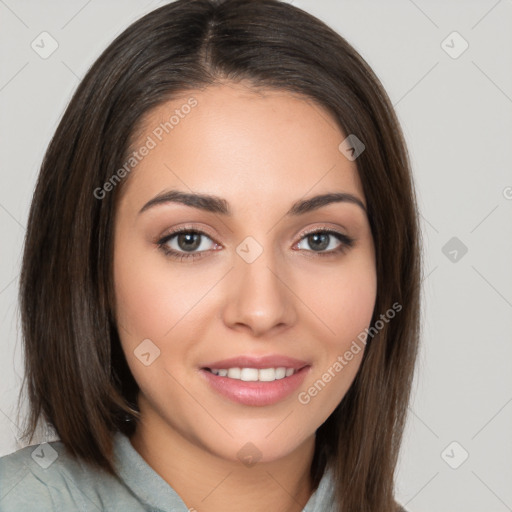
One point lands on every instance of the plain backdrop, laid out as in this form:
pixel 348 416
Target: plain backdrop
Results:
pixel 454 103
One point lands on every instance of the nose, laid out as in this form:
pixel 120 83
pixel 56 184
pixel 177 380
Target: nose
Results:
pixel 259 299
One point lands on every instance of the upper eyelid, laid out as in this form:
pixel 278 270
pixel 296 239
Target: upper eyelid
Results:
pixel 186 229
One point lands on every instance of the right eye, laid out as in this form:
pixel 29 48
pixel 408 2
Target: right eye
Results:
pixel 185 243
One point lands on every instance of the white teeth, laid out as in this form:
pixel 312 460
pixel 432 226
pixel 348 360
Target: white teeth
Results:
pixel 234 373
pixel 280 373
pixel 249 374
pixel 267 374
pixel 254 374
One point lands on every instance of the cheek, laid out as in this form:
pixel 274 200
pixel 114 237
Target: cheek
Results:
pixel 342 300
pixel 344 305
pixel 153 302
pixel 151 295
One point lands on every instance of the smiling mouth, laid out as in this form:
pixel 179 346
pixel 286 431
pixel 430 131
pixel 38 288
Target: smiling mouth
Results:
pixel 262 386
pixel 254 374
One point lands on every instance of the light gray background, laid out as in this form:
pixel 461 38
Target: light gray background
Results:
pixel 456 115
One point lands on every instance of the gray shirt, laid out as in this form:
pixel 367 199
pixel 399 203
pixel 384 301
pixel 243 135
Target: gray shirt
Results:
pixel 47 478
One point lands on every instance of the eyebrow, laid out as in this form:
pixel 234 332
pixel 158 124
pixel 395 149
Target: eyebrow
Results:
pixel 215 204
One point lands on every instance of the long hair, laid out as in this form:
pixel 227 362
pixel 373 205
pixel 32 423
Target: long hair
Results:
pixel 76 375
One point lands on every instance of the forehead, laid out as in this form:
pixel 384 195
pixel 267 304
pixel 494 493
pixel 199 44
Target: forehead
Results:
pixel 244 144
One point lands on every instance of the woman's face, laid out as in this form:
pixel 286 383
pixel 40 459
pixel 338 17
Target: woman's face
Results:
pixel 246 280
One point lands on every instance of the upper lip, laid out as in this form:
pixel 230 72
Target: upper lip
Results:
pixel 269 361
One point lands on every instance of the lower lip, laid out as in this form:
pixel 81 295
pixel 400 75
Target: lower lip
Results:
pixel 256 393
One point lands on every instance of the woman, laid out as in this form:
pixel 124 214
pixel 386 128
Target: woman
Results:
pixel 220 283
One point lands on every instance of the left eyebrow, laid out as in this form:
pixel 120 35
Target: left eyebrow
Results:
pixel 313 203
pixel 215 204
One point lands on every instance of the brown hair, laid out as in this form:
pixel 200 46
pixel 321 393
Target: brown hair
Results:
pixel 76 374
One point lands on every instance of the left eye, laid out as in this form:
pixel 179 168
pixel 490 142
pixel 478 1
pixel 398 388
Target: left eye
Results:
pixel 321 241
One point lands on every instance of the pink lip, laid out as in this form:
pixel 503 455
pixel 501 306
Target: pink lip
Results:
pixel 270 361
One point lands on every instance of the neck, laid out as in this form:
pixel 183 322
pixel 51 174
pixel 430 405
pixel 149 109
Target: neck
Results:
pixel 207 482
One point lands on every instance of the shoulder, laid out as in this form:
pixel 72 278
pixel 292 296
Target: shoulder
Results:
pixel 23 481
pixel 322 499
pixel 47 477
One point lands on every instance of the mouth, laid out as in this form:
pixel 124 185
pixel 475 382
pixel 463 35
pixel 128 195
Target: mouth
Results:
pixel 257 381
pixel 254 374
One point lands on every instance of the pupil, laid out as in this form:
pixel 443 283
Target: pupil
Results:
pixel 191 241
pixel 322 237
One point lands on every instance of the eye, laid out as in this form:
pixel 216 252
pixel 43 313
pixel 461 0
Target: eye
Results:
pixel 186 244
pixel 326 242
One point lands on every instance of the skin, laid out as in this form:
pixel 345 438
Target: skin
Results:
pixel 261 151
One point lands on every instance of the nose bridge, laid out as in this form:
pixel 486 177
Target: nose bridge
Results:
pixel 257 295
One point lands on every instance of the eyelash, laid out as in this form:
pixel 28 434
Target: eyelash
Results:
pixel 346 243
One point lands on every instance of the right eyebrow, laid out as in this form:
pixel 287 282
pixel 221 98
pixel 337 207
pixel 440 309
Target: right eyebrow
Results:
pixel 208 203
